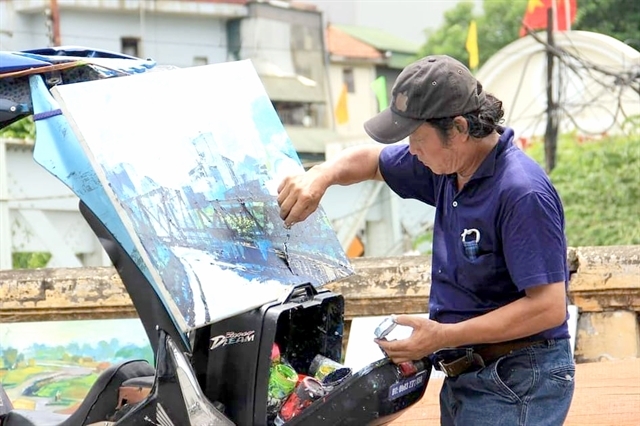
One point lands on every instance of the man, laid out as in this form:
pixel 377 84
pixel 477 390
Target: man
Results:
pixel 498 315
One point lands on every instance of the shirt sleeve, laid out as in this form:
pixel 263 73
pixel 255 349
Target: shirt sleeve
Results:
pixel 406 175
pixel 534 243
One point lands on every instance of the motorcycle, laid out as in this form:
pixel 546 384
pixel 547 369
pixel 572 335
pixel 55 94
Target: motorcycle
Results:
pixel 175 171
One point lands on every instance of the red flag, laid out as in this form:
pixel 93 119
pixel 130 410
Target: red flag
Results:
pixel 535 16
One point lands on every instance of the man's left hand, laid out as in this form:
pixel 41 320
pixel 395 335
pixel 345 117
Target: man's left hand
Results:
pixel 427 337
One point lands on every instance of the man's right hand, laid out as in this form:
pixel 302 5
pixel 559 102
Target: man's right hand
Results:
pixel 300 195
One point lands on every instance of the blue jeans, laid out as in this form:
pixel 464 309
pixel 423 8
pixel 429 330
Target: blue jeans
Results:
pixel 532 386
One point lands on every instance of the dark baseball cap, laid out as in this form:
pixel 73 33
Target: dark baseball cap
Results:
pixel 435 86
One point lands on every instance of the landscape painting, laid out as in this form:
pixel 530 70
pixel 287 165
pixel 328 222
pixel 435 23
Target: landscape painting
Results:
pixel 52 365
pixel 191 160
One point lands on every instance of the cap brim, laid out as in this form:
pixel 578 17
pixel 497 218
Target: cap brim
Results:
pixel 389 127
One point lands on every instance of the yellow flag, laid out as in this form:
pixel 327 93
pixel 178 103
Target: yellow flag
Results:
pixel 379 87
pixel 472 45
pixel 342 112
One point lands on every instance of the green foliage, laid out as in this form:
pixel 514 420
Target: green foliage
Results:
pixel 30 260
pixel 599 184
pixel 616 18
pixel 21 129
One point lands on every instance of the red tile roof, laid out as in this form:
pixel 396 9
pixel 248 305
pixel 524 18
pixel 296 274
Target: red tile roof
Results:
pixel 340 43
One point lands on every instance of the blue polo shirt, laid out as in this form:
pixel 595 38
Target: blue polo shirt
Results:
pixel 514 212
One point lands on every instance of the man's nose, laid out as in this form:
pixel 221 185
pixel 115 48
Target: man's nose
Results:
pixel 412 147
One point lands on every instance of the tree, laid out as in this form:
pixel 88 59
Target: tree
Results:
pixel 616 18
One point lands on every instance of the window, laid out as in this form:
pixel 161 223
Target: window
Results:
pixel 200 60
pixel 347 78
pixel 296 114
pixel 130 46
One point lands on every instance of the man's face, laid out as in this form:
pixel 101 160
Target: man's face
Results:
pixel 442 157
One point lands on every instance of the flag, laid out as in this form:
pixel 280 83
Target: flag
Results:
pixel 342 112
pixel 535 16
pixel 379 87
pixel 472 45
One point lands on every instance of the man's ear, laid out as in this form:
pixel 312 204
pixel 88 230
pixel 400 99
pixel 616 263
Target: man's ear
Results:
pixel 461 125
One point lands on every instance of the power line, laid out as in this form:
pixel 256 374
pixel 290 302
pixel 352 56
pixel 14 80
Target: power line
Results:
pixel 598 82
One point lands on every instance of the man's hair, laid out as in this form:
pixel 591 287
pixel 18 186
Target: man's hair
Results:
pixel 482 122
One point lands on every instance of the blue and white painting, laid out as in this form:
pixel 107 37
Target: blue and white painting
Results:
pixel 191 160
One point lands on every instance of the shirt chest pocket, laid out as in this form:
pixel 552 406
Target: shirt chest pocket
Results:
pixel 481 273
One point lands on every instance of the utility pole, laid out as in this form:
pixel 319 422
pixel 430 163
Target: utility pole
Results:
pixel 551 133
pixel 53 23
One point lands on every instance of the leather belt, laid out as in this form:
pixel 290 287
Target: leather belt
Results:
pixel 479 356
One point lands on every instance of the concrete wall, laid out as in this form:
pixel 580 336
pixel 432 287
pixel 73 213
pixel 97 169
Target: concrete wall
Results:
pixel 605 285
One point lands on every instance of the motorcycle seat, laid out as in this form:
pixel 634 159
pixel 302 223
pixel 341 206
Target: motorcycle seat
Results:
pixel 98 405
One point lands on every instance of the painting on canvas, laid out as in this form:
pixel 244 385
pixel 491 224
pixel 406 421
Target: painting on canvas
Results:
pixel 191 160
pixel 52 365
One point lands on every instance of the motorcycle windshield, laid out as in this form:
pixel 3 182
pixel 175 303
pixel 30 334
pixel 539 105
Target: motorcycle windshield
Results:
pixel 189 162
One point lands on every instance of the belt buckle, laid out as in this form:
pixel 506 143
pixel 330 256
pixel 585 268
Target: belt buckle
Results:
pixel 443 368
pixel 453 368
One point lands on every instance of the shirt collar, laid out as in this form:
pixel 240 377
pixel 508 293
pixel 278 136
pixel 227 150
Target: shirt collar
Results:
pixel 488 166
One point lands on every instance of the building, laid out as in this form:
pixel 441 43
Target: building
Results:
pixel 287 47
pixel 181 33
